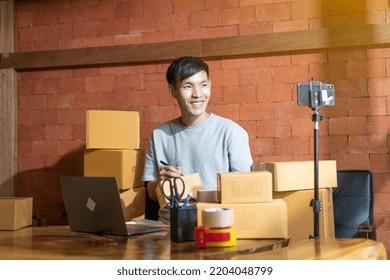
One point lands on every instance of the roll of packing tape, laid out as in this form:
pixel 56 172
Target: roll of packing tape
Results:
pixel 217 217
pixel 207 196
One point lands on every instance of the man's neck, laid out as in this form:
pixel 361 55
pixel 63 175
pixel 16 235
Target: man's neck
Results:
pixel 190 121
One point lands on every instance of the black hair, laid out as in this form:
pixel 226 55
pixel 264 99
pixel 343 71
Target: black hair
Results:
pixel 184 67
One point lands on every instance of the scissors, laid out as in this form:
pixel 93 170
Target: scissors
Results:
pixel 176 190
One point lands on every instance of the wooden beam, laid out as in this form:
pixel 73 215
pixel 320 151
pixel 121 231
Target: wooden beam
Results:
pixel 8 106
pixel 266 44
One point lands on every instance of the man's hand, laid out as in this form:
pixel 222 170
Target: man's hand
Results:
pixel 167 171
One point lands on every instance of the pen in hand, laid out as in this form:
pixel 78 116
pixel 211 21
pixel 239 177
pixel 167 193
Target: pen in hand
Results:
pixel 164 163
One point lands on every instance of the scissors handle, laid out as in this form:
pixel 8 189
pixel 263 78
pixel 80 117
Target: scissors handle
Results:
pixel 174 195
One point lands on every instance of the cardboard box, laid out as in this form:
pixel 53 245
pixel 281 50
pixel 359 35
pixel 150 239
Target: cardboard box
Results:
pixel 15 212
pixel 245 187
pixel 301 215
pixel 254 220
pixel 258 166
pixel 126 165
pixel 133 203
pixel 192 184
pixel 299 175
pixel 107 129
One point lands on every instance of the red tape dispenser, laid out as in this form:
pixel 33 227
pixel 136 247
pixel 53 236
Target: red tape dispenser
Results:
pixel 217 228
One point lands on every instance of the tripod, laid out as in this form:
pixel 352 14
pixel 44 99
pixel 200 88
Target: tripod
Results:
pixel 316 203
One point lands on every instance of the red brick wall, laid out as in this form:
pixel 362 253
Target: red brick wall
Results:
pixel 258 92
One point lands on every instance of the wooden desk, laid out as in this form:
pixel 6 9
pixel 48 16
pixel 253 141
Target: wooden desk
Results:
pixel 60 243
pixel 326 249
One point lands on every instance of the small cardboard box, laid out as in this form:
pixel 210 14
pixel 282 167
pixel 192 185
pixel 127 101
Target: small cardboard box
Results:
pixel 126 165
pixel 299 175
pixel 254 220
pixel 15 212
pixel 133 203
pixel 245 187
pixel 258 166
pixel 107 129
pixel 301 215
pixel 192 184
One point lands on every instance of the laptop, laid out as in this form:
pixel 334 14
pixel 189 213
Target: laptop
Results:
pixel 93 205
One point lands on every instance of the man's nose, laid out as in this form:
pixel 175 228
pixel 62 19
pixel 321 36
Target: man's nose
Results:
pixel 196 92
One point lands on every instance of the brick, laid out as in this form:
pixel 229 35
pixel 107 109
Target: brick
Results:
pixel 263 146
pixel 72 116
pixel 45 86
pixel 379 124
pixel 99 41
pixel 225 78
pixel 273 12
pixel 85 29
pixel 328 72
pixel 367 144
pixel 114 26
pixel 245 15
pixel 156 114
pixel 307 58
pixel 99 84
pixel 348 126
pixel 113 100
pixel 351 161
pixel 272 61
pixel 30 163
pixel 99 12
pixel 290 25
pixel 255 28
pixel 379 86
pixel 45 147
pixel 129 82
pixel 43 117
pixel 189 6
pixel 255 76
pixel 351 88
pixel 222 31
pixel 292 146
pixel 381 182
pixel 161 7
pixel 177 22
pixel 244 94
pixel 290 110
pixel 291 74
pixel 45 17
pixel 238 63
pixel 129 9
pixel 367 106
pixel 24 148
pixel 250 127
pixel 71 85
pixel 35 102
pixel 58 132
pixel 206 19
pixel 380 163
pixel 256 111
pixel 87 101
pixel 366 68
pixel 275 93
pixel 346 54
pixel 272 128
pixel 307 9
pixel 230 111
pixel 57 101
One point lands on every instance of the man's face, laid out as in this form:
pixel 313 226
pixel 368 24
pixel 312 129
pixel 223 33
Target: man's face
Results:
pixel 192 95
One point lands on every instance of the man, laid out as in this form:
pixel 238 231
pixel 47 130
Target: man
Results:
pixel 198 141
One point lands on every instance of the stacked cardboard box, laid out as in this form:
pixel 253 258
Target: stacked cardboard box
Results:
pixel 293 182
pixel 15 212
pixel 256 213
pixel 113 150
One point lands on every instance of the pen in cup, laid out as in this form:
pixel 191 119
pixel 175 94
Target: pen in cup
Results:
pixel 164 163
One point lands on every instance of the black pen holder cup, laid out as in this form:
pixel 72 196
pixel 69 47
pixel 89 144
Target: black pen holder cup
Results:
pixel 183 223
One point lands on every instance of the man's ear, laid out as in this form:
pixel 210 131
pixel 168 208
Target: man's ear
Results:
pixel 171 91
